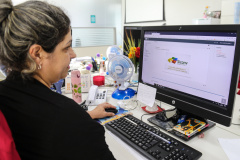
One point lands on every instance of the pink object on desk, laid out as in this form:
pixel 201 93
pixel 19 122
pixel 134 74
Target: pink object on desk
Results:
pixel 76 86
pixel 99 80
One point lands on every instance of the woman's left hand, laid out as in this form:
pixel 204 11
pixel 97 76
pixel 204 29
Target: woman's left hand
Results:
pixel 99 111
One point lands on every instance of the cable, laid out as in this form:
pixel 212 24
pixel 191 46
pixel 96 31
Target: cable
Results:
pixel 145 115
pixel 133 107
pixel 126 105
pixel 150 125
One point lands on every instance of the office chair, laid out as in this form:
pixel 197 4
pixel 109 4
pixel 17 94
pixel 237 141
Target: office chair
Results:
pixel 7 146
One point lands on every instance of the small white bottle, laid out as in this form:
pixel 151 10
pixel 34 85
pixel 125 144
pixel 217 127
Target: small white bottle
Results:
pixel 68 86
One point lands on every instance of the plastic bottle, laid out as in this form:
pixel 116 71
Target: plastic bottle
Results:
pixel 68 87
pixel 101 68
pixel 76 86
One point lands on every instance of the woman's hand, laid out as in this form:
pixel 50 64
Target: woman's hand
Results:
pixel 99 111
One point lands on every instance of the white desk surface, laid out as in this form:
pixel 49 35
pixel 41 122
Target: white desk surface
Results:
pixel 209 145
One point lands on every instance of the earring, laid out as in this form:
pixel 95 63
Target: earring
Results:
pixel 39 66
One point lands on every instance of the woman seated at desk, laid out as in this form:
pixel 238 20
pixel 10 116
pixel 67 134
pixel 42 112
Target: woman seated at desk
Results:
pixel 35 48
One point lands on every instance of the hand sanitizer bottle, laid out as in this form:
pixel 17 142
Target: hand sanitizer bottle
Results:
pixel 76 86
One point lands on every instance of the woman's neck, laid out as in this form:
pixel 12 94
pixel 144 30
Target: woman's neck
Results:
pixel 40 79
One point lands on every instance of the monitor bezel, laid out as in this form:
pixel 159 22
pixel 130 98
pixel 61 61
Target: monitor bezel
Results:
pixel 186 102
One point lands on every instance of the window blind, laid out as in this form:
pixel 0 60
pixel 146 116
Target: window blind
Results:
pixel 97 36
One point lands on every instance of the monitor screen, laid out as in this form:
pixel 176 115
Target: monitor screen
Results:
pixel 194 68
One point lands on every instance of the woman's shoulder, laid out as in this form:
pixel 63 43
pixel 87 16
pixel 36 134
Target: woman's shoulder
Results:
pixel 35 93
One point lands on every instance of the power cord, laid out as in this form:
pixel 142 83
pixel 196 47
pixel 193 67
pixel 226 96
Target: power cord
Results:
pixel 145 115
pixel 125 105
pixel 150 125
pixel 135 105
pixel 83 105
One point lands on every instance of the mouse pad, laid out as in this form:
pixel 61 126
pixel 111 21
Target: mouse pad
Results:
pixel 121 112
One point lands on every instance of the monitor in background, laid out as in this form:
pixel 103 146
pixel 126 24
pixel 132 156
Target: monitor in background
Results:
pixel 194 68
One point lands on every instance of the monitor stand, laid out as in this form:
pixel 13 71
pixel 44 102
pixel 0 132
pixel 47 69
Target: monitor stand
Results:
pixel 168 124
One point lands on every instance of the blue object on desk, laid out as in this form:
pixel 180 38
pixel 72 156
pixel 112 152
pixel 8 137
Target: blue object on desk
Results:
pixel 182 119
pixel 123 94
pixel 58 86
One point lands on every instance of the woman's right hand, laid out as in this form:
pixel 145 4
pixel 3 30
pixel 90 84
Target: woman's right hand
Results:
pixel 99 111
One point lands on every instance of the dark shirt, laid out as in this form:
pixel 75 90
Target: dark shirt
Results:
pixel 47 125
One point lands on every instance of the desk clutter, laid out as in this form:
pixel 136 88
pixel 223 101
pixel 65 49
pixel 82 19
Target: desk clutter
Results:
pixel 149 141
pixel 195 96
pixel 186 130
pixel 120 68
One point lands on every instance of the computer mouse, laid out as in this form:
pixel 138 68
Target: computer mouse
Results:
pixel 111 110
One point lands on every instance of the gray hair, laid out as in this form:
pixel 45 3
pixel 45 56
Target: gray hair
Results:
pixel 21 26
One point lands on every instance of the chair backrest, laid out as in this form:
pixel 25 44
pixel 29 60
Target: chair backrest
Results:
pixel 7 146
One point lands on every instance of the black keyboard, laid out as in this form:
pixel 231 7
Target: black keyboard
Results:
pixel 150 142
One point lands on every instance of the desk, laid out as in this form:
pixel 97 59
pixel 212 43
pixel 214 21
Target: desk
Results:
pixel 236 118
pixel 209 145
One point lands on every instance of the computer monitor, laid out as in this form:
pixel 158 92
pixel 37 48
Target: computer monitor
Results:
pixel 194 68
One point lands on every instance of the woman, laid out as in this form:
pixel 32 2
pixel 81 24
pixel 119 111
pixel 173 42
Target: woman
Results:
pixel 35 48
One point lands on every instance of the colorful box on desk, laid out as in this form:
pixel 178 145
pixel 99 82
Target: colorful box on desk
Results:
pixel 86 82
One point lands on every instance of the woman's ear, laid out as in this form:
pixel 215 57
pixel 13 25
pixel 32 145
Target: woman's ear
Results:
pixel 35 52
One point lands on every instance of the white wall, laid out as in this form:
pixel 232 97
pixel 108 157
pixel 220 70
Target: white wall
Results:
pixel 79 11
pixel 180 12
pixel 136 10
pixel 177 12
pixel 107 12
pixel 90 51
pixel 228 7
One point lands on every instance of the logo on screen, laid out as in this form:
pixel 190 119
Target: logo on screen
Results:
pixel 175 60
pixel 172 60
